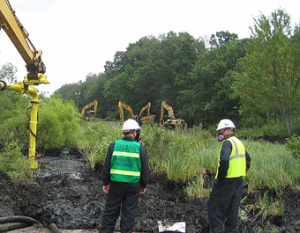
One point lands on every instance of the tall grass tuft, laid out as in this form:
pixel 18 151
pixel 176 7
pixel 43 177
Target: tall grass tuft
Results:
pixel 273 167
pixel 93 140
pixel 179 153
pixel 195 188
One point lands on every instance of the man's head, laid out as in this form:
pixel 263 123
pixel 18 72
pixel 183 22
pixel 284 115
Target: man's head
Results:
pixel 225 128
pixel 131 128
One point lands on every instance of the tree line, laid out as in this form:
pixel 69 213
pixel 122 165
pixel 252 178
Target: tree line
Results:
pixel 252 81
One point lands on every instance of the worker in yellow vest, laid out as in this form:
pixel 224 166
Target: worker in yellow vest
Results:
pixel 125 176
pixel 233 162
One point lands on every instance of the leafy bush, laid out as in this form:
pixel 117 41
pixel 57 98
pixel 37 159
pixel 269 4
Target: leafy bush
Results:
pixel 14 125
pixel 58 123
pixel 293 144
pixel 15 130
pixel 270 129
pixel 14 163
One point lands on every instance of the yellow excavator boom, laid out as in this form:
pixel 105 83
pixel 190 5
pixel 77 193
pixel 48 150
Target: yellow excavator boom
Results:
pixel 35 67
pixel 149 118
pixel 165 106
pixel 93 103
pixel 121 112
pixel 20 38
pixel 171 121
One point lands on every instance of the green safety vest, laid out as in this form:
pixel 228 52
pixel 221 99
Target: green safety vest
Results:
pixel 125 162
pixel 237 159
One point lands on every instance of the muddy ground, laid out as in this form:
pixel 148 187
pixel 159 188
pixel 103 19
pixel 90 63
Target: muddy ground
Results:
pixel 67 192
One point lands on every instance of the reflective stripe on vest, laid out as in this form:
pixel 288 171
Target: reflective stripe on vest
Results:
pixel 237 159
pixel 126 162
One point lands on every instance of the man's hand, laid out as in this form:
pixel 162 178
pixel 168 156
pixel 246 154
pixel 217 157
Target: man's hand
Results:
pixel 106 188
pixel 143 191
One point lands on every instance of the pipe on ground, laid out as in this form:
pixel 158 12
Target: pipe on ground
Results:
pixel 13 226
pixel 53 228
pixel 17 222
pixel 18 218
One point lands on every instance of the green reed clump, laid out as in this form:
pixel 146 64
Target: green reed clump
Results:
pixel 195 188
pixel 94 138
pixel 179 153
pixel 157 141
pixel 273 167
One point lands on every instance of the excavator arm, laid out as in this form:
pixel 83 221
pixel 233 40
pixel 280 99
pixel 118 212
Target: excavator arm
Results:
pixel 171 121
pixel 121 112
pixel 165 106
pixel 94 103
pixel 146 119
pixel 35 67
pixel 144 108
pixel 19 37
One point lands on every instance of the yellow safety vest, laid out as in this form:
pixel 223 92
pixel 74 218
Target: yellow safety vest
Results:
pixel 237 159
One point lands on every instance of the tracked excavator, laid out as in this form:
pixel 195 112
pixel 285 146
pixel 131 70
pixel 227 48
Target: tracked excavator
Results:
pixel 169 121
pixel 35 67
pixel 149 119
pixel 130 113
pixel 94 112
pixel 121 112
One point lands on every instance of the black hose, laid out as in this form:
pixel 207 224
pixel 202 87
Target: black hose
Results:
pixel 29 125
pixel 53 228
pixel 18 218
pixel 16 222
pixel 13 226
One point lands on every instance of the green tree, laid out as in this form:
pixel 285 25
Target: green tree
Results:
pixel 222 37
pixel 14 125
pixel 209 98
pixel 269 77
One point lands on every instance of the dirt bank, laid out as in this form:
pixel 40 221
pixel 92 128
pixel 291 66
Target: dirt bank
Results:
pixel 67 192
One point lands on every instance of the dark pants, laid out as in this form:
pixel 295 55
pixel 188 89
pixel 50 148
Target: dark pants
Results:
pixel 223 205
pixel 122 197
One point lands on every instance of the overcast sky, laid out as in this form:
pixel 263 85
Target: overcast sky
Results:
pixel 77 37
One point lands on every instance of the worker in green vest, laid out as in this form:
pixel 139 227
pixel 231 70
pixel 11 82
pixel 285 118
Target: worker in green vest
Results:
pixel 233 162
pixel 125 176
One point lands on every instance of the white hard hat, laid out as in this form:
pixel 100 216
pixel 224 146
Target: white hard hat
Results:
pixel 224 124
pixel 130 124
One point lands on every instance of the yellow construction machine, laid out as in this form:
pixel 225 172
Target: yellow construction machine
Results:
pixel 34 64
pixel 149 119
pixel 94 112
pixel 129 110
pixel 169 121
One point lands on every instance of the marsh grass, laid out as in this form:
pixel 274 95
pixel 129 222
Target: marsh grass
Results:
pixel 186 155
pixel 273 167
pixel 94 139
pixel 195 188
